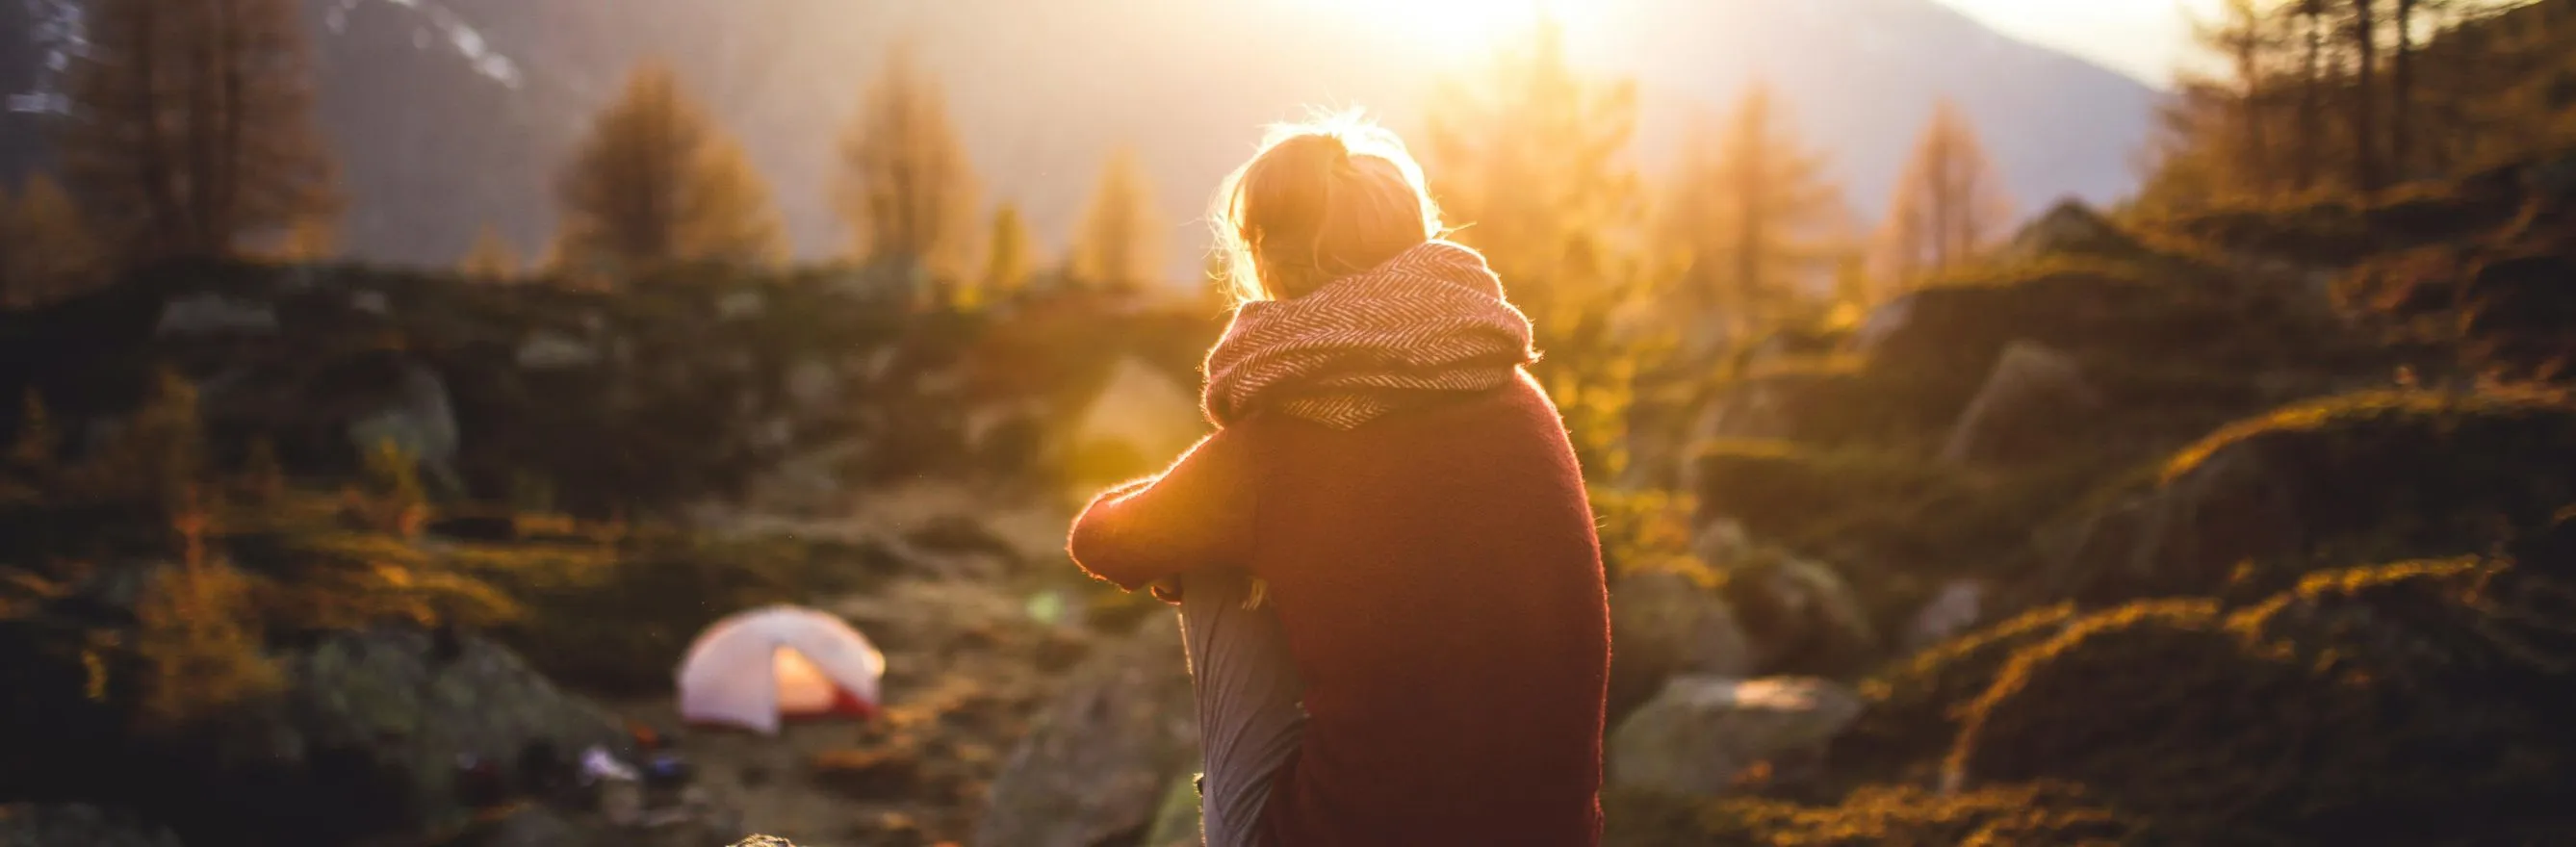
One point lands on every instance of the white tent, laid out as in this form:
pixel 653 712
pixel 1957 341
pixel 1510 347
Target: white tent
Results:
pixel 754 669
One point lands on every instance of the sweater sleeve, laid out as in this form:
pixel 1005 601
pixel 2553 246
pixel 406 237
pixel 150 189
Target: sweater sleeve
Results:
pixel 1197 514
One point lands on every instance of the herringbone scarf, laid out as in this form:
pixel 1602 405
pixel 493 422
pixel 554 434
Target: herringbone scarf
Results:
pixel 1430 320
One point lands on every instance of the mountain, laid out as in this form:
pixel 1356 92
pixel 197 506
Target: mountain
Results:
pixel 451 114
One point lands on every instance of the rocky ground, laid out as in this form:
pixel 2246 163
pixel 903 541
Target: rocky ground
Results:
pixel 2251 528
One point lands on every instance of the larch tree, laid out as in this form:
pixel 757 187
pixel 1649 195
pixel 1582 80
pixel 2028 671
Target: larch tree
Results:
pixel 1119 245
pixel 193 126
pixel 1754 208
pixel 491 259
pixel 1010 254
pixel 46 249
pixel 658 181
pixel 906 187
pixel 1949 204
pixel 1528 159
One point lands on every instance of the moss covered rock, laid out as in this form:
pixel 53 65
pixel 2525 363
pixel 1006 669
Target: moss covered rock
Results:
pixel 2377 705
pixel 2371 477
pixel 1912 709
pixel 1876 817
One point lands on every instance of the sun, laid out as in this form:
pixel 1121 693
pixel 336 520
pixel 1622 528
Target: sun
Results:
pixel 1452 28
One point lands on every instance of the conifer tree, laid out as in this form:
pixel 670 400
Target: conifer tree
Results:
pixel 1528 158
pixel 658 181
pixel 1754 208
pixel 1119 246
pixel 491 258
pixel 1010 254
pixel 193 127
pixel 1949 204
pixel 46 249
pixel 905 187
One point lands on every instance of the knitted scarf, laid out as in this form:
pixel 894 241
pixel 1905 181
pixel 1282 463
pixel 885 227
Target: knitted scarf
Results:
pixel 1431 320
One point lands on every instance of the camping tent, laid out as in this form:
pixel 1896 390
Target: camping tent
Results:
pixel 757 668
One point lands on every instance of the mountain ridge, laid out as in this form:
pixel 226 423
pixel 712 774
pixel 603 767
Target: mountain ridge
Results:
pixel 453 114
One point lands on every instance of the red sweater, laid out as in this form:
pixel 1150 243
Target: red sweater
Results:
pixel 1439 580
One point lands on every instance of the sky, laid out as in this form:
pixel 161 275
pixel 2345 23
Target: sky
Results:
pixel 2146 39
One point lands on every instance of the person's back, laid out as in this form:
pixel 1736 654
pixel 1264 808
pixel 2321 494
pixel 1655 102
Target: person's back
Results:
pixel 1424 656
pixel 1437 576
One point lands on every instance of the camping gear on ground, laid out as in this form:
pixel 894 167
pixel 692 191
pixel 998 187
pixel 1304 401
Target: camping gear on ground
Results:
pixel 667 770
pixel 597 764
pixel 755 669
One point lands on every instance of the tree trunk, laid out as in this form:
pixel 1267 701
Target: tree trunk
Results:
pixel 2401 93
pixel 2365 98
pixel 2311 97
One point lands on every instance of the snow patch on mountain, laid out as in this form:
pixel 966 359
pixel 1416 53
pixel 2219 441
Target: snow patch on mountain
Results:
pixel 57 35
pixel 449 26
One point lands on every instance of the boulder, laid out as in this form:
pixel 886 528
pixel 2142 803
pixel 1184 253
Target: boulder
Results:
pixel 1664 624
pixel 1701 732
pixel 1141 412
pixel 549 350
pixel 417 419
pixel 216 314
pixel 387 714
pixel 1956 607
pixel 1797 615
pixel 742 305
pixel 1886 320
pixel 2023 409
pixel 32 825
pixel 1096 764
pixel 2342 481
pixel 2071 227
pixel 813 384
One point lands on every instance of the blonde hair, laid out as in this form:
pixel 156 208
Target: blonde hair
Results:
pixel 1324 199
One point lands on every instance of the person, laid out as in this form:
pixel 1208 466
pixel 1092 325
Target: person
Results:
pixel 1389 579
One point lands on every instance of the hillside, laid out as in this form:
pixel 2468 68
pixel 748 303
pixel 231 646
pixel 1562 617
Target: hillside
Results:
pixel 450 114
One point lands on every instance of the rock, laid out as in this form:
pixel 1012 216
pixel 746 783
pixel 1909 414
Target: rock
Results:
pixel 1884 321
pixel 1797 615
pixel 813 384
pixel 533 827
pixel 2025 407
pixel 370 302
pixel 33 825
pixel 418 420
pixel 216 314
pixel 742 305
pixel 881 773
pixel 387 713
pixel 2187 532
pixel 1096 763
pixel 2334 482
pixel 549 350
pixel 1144 412
pixel 1954 609
pixel 1701 732
pixel 2071 227
pixel 1663 624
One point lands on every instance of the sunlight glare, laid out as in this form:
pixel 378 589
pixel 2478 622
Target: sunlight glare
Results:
pixel 1451 28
